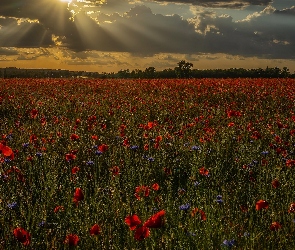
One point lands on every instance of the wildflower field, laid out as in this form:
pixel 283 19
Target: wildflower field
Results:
pixel 147 164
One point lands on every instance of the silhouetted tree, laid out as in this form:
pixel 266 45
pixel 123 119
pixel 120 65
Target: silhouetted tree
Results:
pixel 184 69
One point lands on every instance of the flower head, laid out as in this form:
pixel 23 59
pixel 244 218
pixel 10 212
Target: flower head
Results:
pixel 132 221
pixel 261 204
pixel 72 240
pixel 95 230
pixel 78 195
pixel 156 220
pixel 142 233
pixel 22 236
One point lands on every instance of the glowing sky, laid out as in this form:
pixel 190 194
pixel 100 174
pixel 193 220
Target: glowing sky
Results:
pixel 109 35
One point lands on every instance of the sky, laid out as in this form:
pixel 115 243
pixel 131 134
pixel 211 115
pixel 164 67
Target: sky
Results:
pixel 113 35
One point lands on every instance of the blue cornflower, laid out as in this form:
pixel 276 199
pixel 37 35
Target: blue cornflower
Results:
pixel 195 147
pixel 42 224
pixel 190 234
pixel 219 199
pixel 7 160
pixel 134 147
pixel 39 154
pixel 12 205
pixel 196 183
pixel 185 207
pixel 25 145
pixel 228 243
pixel 264 153
pixel 151 159
pixel 246 234
pixel 9 137
pixel 94 146
pixel 89 163
pixel 98 152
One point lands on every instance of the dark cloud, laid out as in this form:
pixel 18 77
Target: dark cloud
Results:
pixel 220 3
pixel 23 34
pixel 139 31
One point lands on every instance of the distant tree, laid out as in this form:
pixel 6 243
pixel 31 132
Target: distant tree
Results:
pixel 184 69
pixel 150 72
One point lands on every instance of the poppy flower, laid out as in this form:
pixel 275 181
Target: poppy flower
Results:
pixel 201 212
pixel 275 183
pixel 103 147
pixel 142 233
pixel 58 208
pixel 95 230
pixel 75 170
pixel 6 151
pixel 275 226
pixel 94 137
pixel 204 171
pixel 292 208
pixel 34 113
pixel 132 221
pixel 142 190
pixel 156 220
pixel 70 157
pixel 72 240
pixel 156 186
pixel 115 170
pixel 74 137
pixel 261 204
pixel 22 236
pixel 78 195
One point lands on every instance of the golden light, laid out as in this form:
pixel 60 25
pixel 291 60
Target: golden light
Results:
pixel 66 1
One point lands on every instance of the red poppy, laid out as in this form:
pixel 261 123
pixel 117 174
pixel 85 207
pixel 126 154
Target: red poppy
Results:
pixel 292 208
pixel 94 137
pixel 74 137
pixel 22 236
pixel 156 186
pixel 142 233
pixel 59 208
pixel 146 147
pixel 6 151
pixel 156 220
pixel 261 204
pixel 75 170
pixel 290 163
pixel 145 190
pixel 275 226
pixel 115 170
pixel 231 124
pixel 204 171
pixel 103 147
pixel 70 157
pixel 95 230
pixel 132 221
pixel 43 121
pixel 256 135
pixel 201 212
pixel 78 195
pixel 34 113
pixel 275 183
pixel 232 113
pixel 72 240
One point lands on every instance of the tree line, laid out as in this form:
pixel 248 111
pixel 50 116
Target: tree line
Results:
pixel 183 69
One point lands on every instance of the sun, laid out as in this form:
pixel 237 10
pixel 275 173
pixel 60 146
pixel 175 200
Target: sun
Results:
pixel 66 1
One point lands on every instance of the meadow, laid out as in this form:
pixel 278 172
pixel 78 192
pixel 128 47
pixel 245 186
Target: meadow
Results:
pixel 147 164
